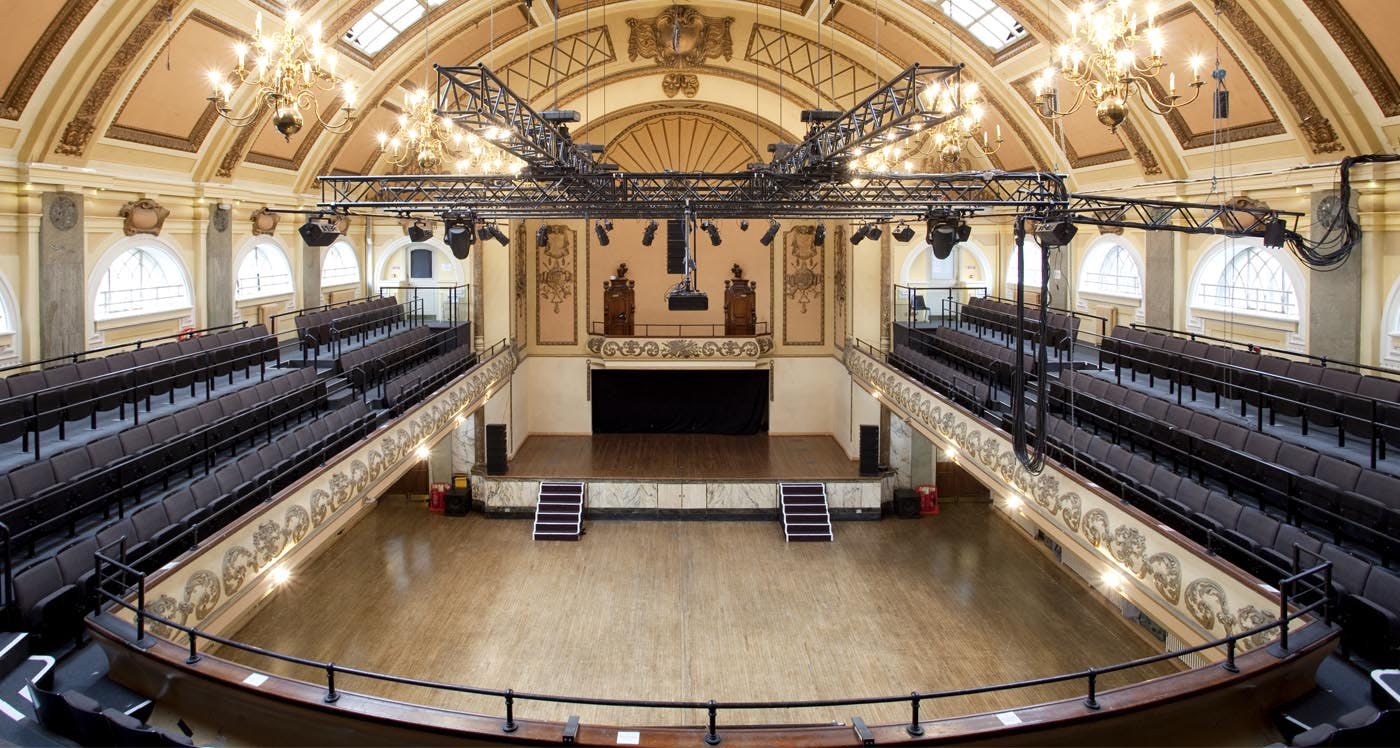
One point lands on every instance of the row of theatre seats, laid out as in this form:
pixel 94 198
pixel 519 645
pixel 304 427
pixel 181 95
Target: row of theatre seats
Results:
pixel 1367 594
pixel 77 717
pixel 981 358
pixel 1320 395
pixel 1333 498
pixel 51 495
pixel 993 315
pixel 966 391
pixel 34 401
pixel 411 385
pixel 360 319
pixel 52 594
pixel 372 365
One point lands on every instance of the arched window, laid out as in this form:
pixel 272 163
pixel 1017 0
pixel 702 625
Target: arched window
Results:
pixel 1035 265
pixel 339 267
pixel 1245 278
pixel 144 279
pixel 263 271
pixel 1110 267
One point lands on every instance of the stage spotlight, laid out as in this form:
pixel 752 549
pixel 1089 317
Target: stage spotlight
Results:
pixel 1057 234
pixel 743 224
pixel 873 231
pixel 420 231
pixel 710 228
pixel 819 237
pixel 459 235
pixel 942 236
pixel 904 233
pixel 601 233
pixel 1273 233
pixel 542 237
pixel 860 234
pixel 492 231
pixel 319 231
pixel 964 231
pixel 770 234
pixel 649 233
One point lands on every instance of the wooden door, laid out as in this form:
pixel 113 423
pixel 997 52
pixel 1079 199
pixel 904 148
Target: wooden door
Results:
pixel 619 307
pixel 740 309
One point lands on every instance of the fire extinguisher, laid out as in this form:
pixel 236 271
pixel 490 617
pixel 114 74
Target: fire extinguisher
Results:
pixel 437 493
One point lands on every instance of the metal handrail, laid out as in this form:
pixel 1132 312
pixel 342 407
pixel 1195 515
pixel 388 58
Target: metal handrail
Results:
pixel 1255 348
pixel 272 321
pixel 73 358
pixel 1090 675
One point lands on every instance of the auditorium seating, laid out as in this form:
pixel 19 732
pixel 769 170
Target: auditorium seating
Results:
pixel 988 314
pixel 967 353
pixel 373 364
pixel 360 319
pixel 412 384
pixel 79 718
pixel 966 391
pixel 1317 395
pixel 35 401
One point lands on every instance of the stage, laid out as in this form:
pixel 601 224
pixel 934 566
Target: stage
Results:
pixel 682 474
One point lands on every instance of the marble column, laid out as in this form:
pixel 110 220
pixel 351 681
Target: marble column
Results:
pixel 62 280
pixel 475 290
pixel 886 292
pixel 440 465
pixel 1334 299
pixel 1159 287
pixel 218 267
pixel 310 275
pixel 464 441
pixel 922 459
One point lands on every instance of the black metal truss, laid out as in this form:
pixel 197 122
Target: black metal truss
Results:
pixel 895 111
pixel 1181 217
pixel 475 99
pixel 755 194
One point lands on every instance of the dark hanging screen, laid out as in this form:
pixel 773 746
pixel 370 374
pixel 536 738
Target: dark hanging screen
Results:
pixel 420 263
pixel 680 402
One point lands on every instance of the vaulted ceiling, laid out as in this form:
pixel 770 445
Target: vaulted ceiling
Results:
pixel 106 84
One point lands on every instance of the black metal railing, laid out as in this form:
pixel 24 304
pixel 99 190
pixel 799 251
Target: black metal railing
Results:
pixel 691 330
pixel 1283 352
pixel 272 321
pixel 75 357
pixel 711 708
pixel 913 301
pixel 444 303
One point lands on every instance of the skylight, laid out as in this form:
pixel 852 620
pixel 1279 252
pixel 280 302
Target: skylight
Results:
pixel 986 20
pixel 385 21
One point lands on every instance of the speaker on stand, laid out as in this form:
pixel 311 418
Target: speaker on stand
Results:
pixel 496 449
pixel 869 450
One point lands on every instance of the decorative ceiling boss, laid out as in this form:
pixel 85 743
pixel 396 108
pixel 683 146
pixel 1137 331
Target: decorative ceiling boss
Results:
pixel 680 38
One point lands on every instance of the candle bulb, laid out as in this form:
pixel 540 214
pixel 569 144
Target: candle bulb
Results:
pixel 998 133
pixel 1171 84
pixel 257 24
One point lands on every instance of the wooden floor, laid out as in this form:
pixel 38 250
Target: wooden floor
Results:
pixel 694 611
pixel 683 457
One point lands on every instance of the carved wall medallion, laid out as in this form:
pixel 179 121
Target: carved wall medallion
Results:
pixel 264 221
pixel 144 216
pixel 220 218
pixel 63 212
pixel 686 83
pixel 680 38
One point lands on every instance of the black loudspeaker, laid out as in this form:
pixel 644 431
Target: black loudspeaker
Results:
pixel 496 449
pixel 869 450
pixel 675 247
pixel 906 503
pixel 457 502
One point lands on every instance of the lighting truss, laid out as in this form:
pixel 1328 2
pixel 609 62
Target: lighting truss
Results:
pixel 755 194
pixel 911 102
pixel 476 100
pixel 1181 217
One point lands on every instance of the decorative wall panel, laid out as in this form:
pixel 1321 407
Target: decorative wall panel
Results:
pixel 556 288
pixel 1211 601
pixel 840 294
pixel 804 287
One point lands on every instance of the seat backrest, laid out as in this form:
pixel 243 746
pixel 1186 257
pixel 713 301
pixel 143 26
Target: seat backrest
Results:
pixel 1305 372
pixel 1193 495
pixel 1383 588
pixel 105 450
pixel 1337 472
pixel 1381 389
pixel 1223 509
pixel 36 583
pixel 1342 381
pixel 1263 446
pixel 76 559
pixel 114 531
pixel 1257 526
pixel 149 520
pixel 1347 570
pixel 69 463
pixel 1203 425
pixel 31 478
pixel 1288 536
pixel 135 438
pixel 1379 486
pixel 1300 460
pixel 179 504
pixel 61 375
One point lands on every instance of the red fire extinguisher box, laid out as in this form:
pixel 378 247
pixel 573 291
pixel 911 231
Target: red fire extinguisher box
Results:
pixel 436 495
pixel 928 499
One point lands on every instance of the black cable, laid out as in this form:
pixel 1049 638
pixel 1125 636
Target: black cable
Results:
pixel 1314 253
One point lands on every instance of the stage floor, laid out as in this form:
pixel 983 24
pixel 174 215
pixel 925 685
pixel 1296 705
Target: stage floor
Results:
pixel 694 611
pixel 682 457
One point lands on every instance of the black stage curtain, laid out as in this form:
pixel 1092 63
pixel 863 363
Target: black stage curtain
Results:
pixel 680 402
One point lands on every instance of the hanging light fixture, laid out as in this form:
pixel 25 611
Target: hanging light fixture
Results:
pixel 945 140
pixel 289 70
pixel 424 140
pixel 1112 56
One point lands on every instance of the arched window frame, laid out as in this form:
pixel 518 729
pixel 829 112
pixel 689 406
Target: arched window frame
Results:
pixel 1390 329
pixel 1031 248
pixel 162 290
pixel 1247 278
pixel 1112 267
pixel 272 272
pixel 339 273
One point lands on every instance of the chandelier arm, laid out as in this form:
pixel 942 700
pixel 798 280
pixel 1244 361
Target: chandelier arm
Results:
pixel 1079 99
pixel 1159 107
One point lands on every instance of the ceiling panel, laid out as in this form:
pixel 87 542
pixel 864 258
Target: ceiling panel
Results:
pixel 27 23
pixel 153 113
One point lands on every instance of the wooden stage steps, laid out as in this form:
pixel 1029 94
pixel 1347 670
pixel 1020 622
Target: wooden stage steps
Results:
pixel 559 511
pixel 805 515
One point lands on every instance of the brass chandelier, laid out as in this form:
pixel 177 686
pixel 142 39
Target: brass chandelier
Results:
pixel 965 107
pixel 1111 57
pixel 426 142
pixel 289 69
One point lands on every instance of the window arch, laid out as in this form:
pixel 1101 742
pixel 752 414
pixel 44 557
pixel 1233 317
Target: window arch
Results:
pixel 263 271
pixel 1035 265
pixel 1248 279
pixel 145 278
pixel 1111 267
pixel 339 267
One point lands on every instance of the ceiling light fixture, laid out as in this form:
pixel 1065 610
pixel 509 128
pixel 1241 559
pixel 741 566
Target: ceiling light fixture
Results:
pixel 771 233
pixel 289 70
pixel 458 232
pixel 1112 57
pixel 420 231
pixel 649 233
pixel 710 228
pixel 904 233
pixel 601 229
